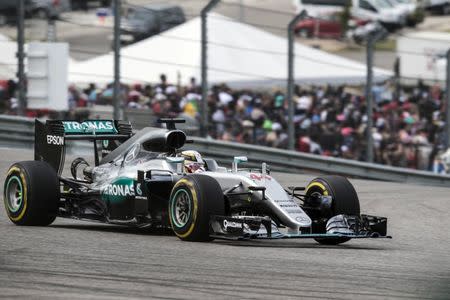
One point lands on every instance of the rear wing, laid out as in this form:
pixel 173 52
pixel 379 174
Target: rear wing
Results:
pixel 50 138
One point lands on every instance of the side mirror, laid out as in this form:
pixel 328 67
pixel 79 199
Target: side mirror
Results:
pixel 265 169
pixel 258 189
pixel 237 160
pixel 177 161
pixel 240 159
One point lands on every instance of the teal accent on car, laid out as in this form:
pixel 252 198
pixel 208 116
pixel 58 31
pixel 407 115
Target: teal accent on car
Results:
pixel 90 127
pixel 119 190
pixel 13 192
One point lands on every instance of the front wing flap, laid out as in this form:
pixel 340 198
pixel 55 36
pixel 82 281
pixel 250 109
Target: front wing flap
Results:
pixel 255 227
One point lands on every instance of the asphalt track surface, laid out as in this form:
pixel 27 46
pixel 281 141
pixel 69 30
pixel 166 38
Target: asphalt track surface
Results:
pixel 81 260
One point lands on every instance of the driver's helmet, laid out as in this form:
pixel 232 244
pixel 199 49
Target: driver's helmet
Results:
pixel 193 161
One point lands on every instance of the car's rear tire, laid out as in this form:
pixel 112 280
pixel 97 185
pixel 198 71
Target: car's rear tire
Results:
pixel 193 200
pixel 31 193
pixel 344 201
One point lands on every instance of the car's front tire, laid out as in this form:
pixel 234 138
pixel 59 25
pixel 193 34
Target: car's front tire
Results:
pixel 31 193
pixel 193 200
pixel 344 201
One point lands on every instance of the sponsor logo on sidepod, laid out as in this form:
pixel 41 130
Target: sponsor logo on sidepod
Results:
pixel 119 190
pixel 122 190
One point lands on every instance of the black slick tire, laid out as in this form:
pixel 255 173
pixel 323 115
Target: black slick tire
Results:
pixel 344 201
pixel 31 193
pixel 193 199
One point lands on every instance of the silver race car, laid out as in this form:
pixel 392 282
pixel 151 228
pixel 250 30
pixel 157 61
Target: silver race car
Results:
pixel 146 180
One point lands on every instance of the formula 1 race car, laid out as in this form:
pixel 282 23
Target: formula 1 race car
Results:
pixel 141 180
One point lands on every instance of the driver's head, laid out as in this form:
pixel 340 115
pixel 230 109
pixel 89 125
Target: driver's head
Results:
pixel 193 161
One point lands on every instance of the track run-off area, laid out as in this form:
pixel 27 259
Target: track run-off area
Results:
pixel 83 260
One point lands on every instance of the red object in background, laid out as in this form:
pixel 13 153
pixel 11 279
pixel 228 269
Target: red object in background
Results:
pixel 37 113
pixel 4 84
pixel 327 153
pixel 156 107
pixel 346 131
pixel 82 102
pixel 31 114
pixel 304 144
pixel 328 26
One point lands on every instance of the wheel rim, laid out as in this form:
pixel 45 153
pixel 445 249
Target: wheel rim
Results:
pixel 14 194
pixel 317 193
pixel 181 208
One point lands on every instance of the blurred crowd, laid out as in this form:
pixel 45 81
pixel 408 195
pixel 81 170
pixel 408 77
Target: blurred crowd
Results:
pixel 330 121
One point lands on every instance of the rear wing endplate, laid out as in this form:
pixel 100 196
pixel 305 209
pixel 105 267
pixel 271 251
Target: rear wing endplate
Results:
pixel 50 138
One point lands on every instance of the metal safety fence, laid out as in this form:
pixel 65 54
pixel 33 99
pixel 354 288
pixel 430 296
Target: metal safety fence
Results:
pixel 19 132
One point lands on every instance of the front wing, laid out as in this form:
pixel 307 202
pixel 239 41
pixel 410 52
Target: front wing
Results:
pixel 253 227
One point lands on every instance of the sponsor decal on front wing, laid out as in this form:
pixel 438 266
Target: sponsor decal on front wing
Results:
pixel 231 224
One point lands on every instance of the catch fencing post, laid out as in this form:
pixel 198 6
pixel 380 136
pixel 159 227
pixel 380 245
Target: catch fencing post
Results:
pixel 241 11
pixel 51 30
pixel 369 53
pixel 447 93
pixel 290 83
pixel 21 55
pixel 372 39
pixel 117 99
pixel 204 69
pixel 397 87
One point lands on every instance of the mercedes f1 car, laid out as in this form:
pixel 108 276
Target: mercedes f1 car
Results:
pixel 138 179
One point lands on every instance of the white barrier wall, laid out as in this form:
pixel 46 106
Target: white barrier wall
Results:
pixel 422 55
pixel 47 76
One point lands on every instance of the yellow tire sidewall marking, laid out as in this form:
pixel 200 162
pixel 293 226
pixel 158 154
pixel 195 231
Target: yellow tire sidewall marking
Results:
pixel 24 194
pixel 191 187
pixel 319 185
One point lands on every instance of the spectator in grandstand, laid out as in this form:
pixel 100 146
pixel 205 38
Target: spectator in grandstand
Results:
pixel 328 120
